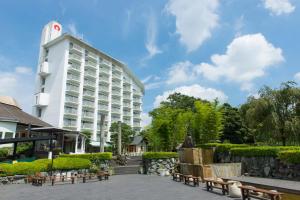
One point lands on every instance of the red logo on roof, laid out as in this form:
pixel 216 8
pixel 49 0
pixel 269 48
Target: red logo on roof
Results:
pixel 56 27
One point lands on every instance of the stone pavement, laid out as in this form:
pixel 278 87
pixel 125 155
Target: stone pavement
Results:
pixel 120 187
pixel 268 182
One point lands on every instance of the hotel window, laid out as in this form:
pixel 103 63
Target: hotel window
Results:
pixel 43 80
pixel 9 135
pixel 39 112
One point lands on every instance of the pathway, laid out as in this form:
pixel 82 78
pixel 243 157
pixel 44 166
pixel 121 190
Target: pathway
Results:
pixel 121 187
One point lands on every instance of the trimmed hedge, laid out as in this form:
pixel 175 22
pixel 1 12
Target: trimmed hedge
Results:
pixel 159 155
pixel 95 158
pixel 43 165
pixel 290 156
pixel 223 147
pixel 261 151
pixel 4 152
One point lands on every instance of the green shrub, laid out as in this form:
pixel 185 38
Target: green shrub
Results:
pixel 24 148
pixel 260 151
pixel 223 147
pixel 159 155
pixel 95 158
pixel 71 163
pixel 43 165
pixel 290 156
pixel 4 152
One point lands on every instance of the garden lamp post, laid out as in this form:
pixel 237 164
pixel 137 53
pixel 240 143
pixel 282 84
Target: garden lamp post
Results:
pixel 119 138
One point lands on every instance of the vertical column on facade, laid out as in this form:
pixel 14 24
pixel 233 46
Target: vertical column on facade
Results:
pixel 96 114
pixel 109 100
pixel 131 103
pixel 121 96
pixel 80 97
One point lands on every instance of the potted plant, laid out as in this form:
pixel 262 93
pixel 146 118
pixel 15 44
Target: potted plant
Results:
pixel 161 170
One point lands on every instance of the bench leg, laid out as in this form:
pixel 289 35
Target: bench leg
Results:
pixel 223 190
pixel 207 186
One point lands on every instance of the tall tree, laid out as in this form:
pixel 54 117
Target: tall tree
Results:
pixel 127 135
pixel 273 116
pixel 233 131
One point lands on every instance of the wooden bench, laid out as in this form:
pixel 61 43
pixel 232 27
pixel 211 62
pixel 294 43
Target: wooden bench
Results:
pixel 38 181
pixel 211 183
pixel 102 174
pixel 177 177
pixel 250 191
pixel 191 179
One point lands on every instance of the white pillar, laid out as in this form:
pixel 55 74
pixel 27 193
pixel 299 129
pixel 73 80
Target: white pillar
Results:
pixel 76 143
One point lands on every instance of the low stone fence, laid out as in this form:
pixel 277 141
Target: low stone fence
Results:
pixel 152 166
pixel 263 166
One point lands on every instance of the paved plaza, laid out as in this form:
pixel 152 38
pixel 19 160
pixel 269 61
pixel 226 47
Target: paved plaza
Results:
pixel 121 187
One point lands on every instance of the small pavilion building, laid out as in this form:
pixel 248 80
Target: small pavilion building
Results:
pixel 17 126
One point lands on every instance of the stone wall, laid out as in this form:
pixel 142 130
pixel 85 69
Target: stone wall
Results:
pixel 269 167
pixel 151 166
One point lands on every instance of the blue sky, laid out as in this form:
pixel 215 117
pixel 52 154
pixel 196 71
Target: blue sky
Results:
pixel 224 49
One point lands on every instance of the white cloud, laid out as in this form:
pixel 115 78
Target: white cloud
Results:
pixel 196 91
pixel 73 30
pixel 239 25
pixel 247 58
pixel 181 72
pixel 18 85
pixel 154 85
pixel 23 70
pixel 146 119
pixel 152 82
pixel 297 77
pixel 279 7
pixel 151 37
pixel 195 20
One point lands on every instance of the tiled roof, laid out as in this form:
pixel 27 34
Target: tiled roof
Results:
pixel 14 113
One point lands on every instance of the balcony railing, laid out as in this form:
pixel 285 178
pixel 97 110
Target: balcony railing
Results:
pixel 116 92
pixel 91 55
pixel 89 83
pixel 102 107
pixel 75 57
pixel 74 67
pixel 87 114
pixel 103 78
pixel 72 77
pixel 116 76
pixel 90 73
pixel 86 126
pixel 103 88
pixel 76 48
pixel 71 99
pixel 114 101
pixel 126 96
pixel 128 114
pixel 88 93
pixel 72 88
pixel 69 111
pixel 126 104
pixel 88 104
pixel 103 98
pixel 90 64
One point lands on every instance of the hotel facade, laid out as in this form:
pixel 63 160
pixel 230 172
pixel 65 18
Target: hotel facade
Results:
pixel 76 84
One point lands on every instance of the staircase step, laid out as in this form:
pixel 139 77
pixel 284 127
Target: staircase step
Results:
pixel 128 169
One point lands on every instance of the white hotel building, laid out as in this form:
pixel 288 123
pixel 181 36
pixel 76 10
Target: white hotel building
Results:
pixel 76 83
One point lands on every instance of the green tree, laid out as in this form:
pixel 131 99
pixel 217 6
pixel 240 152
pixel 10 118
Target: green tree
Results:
pixel 233 131
pixel 273 116
pixel 127 135
pixel 208 124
